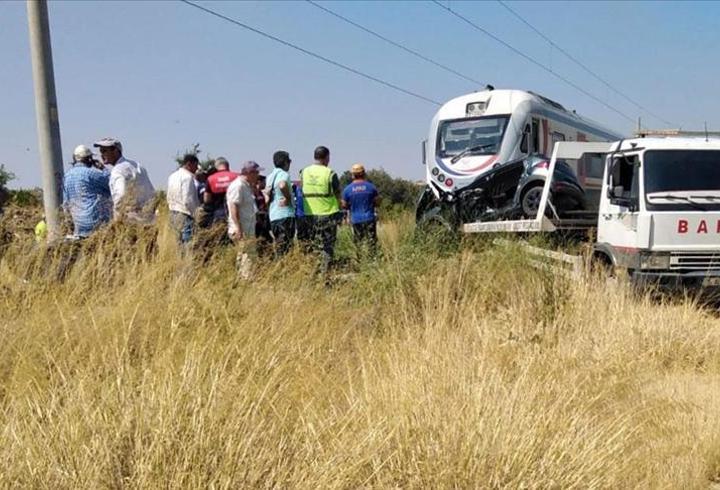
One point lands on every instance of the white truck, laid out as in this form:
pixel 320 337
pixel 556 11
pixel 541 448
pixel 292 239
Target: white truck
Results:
pixel 657 213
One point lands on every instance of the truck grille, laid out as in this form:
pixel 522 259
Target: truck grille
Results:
pixel 695 261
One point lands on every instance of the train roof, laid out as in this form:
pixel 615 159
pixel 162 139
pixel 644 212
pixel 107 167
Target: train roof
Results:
pixel 504 101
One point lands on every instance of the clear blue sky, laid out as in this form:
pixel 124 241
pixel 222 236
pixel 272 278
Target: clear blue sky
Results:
pixel 162 75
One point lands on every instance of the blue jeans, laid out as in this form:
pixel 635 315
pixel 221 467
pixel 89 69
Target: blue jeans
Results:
pixel 183 225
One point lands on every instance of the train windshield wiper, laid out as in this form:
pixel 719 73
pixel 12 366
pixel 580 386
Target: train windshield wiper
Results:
pixel 708 197
pixel 472 149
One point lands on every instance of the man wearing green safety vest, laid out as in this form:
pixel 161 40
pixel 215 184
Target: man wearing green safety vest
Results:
pixel 321 203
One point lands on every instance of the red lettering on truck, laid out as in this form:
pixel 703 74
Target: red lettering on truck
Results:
pixel 702 227
pixel 682 226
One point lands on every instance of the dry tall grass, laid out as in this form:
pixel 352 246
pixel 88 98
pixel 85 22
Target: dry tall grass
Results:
pixel 423 370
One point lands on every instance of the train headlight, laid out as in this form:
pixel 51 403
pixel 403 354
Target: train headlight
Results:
pixel 475 109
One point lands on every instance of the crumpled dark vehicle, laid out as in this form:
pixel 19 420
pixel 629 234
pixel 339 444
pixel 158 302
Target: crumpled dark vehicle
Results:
pixel 509 191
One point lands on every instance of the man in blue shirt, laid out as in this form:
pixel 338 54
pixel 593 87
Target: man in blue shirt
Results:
pixel 361 198
pixel 279 195
pixel 86 193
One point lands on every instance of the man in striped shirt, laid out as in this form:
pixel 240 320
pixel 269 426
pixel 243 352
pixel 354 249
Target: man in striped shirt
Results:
pixel 86 194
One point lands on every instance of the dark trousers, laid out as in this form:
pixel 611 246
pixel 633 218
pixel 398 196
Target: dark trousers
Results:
pixel 303 224
pixel 365 234
pixel 324 234
pixel 283 231
pixel 262 234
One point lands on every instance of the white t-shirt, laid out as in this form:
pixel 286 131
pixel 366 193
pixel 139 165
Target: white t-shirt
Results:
pixel 182 196
pixel 240 195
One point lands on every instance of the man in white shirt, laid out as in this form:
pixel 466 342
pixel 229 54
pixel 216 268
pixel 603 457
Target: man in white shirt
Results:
pixel 240 199
pixel 130 187
pixel 182 197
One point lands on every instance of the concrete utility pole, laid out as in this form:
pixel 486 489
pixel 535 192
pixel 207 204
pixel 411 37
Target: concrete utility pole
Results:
pixel 47 113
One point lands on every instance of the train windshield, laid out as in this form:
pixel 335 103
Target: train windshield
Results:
pixel 476 136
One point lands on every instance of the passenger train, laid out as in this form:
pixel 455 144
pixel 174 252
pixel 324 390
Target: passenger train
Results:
pixel 475 135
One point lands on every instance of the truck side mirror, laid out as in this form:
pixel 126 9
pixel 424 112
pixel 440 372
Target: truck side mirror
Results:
pixel 616 192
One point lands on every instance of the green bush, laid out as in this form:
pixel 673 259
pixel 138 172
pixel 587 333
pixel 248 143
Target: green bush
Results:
pixel 5 177
pixel 26 198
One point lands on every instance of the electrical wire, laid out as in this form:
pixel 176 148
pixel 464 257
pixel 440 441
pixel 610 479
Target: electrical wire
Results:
pixel 582 65
pixel 311 53
pixel 396 44
pixel 532 60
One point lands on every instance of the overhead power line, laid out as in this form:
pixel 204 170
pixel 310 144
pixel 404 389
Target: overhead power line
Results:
pixel 582 65
pixel 396 44
pixel 532 60
pixel 310 53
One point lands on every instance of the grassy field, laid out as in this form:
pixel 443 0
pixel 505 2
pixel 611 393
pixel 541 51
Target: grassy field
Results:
pixel 426 369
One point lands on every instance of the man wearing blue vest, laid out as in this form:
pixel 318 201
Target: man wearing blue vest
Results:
pixel 321 203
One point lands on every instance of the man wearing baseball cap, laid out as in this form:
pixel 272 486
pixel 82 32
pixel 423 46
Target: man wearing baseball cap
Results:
pixel 240 197
pixel 130 186
pixel 361 198
pixel 86 193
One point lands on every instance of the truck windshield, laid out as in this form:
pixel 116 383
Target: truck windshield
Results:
pixel 476 136
pixel 686 171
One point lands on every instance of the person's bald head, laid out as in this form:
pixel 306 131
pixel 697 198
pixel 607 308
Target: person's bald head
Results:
pixel 221 163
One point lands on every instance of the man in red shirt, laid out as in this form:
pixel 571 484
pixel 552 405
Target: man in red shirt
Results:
pixel 217 185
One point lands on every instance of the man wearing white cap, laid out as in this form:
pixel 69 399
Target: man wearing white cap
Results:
pixel 240 198
pixel 86 193
pixel 130 186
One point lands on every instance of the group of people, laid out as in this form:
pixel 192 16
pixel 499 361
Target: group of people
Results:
pixel 94 192
pixel 259 211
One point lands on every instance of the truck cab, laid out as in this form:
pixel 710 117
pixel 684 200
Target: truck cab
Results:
pixel 657 214
pixel 659 211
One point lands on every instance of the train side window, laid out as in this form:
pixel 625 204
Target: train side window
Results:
pixel 535 136
pixel 594 165
pixel 525 141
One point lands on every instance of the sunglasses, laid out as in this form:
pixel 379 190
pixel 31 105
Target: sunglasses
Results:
pixel 106 149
